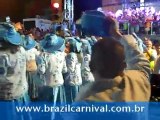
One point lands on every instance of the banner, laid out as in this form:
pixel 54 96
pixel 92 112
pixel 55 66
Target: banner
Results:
pixel 80 111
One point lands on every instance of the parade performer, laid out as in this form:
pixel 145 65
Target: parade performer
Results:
pixel 73 79
pixel 31 54
pixel 52 67
pixel 87 76
pixel 13 83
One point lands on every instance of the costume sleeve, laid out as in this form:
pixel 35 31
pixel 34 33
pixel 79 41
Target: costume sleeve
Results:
pixel 71 62
pixel 64 70
pixel 41 61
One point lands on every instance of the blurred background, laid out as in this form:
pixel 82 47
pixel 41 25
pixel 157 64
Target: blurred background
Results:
pixel 19 9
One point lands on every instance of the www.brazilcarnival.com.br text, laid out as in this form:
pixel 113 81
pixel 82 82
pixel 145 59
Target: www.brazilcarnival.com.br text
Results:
pixel 91 108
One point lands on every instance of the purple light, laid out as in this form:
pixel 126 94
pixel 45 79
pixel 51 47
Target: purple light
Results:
pixel 135 15
pixel 152 10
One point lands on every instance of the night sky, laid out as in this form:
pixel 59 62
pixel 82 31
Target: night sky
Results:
pixel 82 5
pixel 19 9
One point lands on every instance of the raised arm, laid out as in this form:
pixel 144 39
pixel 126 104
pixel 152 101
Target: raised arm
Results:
pixel 134 57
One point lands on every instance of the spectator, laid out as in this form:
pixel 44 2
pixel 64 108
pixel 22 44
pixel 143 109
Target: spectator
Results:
pixel 157 66
pixel 157 47
pixel 19 28
pixel 120 70
pixel 150 53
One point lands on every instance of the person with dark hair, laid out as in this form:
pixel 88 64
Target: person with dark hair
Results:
pixel 157 47
pixel 120 70
pixel 63 32
pixel 157 61
pixel 104 52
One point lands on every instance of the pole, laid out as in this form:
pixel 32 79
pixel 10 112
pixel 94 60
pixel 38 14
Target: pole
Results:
pixel 69 11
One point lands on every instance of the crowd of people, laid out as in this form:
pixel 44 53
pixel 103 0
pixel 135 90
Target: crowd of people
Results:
pixel 60 66
pixel 50 69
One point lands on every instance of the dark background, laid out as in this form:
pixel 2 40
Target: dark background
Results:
pixel 19 9
pixel 82 5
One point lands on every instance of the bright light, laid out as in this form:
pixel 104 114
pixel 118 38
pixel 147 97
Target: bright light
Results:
pixel 56 5
pixel 99 9
pixel 119 13
pixel 152 10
